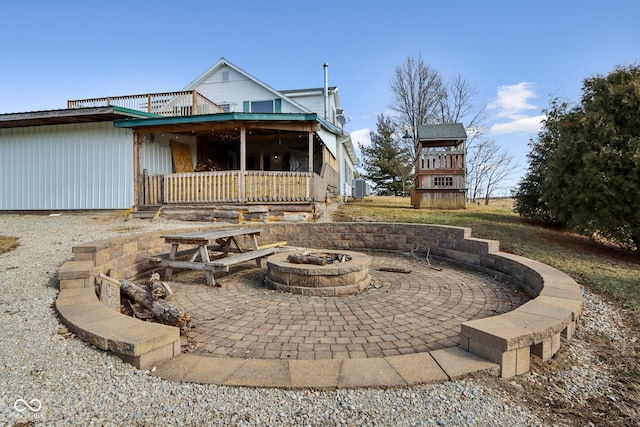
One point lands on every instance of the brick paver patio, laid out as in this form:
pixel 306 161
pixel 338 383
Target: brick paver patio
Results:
pixel 399 314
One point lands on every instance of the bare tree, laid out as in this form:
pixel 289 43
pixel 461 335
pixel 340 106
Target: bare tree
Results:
pixel 456 105
pixel 488 165
pixel 420 96
pixel 416 95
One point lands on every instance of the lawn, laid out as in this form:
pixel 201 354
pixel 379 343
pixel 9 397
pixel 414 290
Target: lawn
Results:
pixel 604 269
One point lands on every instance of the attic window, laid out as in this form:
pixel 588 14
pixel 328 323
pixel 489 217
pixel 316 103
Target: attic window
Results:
pixel 225 76
pixel 262 106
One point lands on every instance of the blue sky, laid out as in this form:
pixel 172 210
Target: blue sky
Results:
pixel 515 54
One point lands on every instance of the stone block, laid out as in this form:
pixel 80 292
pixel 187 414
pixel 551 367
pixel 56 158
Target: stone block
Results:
pixel 497 332
pixel 370 372
pixel 457 362
pixel 74 296
pixel 75 270
pixel 149 359
pixel 420 368
pixel 548 291
pixel 84 256
pixel 74 283
pixel 539 308
pixel 137 338
pixel 261 373
pixel 316 374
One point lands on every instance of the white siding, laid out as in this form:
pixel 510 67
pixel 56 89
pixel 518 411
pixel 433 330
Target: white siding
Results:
pixel 237 90
pixel 330 140
pixel 313 103
pixel 74 166
pixel 155 155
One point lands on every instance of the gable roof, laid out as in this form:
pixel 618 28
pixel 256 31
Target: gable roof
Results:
pixel 443 132
pixel 222 62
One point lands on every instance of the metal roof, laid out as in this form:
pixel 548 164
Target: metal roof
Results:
pixel 453 131
pixel 225 117
pixel 66 116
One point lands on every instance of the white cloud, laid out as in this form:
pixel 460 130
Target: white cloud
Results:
pixel 524 124
pixel 513 100
pixel 513 103
pixel 361 136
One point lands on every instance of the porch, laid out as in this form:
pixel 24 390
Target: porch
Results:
pixel 232 158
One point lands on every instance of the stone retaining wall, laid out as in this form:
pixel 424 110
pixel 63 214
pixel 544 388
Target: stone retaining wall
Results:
pixel 555 309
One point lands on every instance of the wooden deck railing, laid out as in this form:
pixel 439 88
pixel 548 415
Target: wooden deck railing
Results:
pixel 277 186
pixel 442 160
pixel 202 187
pixel 224 187
pixel 168 104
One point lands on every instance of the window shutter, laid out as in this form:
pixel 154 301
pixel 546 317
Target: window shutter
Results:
pixel 246 107
pixel 277 104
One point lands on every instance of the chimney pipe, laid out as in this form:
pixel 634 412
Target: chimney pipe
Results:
pixel 326 91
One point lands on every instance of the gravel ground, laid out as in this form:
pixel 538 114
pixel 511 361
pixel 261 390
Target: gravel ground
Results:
pixel 76 383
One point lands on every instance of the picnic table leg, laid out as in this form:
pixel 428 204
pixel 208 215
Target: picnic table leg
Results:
pixel 226 246
pixel 168 272
pixel 211 281
pixel 233 239
pixel 208 274
pixel 254 243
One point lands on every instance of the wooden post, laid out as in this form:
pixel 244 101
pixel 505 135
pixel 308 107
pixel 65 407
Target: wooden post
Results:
pixel 261 156
pixel 137 142
pixel 194 100
pixel 243 162
pixel 311 151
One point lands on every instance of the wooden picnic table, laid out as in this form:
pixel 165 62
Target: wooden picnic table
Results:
pixel 220 239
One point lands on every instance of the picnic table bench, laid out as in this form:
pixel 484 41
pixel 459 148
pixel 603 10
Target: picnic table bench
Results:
pixel 219 239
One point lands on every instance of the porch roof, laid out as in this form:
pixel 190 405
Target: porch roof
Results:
pixel 68 116
pixel 308 121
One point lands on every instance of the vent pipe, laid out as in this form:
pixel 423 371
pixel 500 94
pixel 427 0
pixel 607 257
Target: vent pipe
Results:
pixel 326 91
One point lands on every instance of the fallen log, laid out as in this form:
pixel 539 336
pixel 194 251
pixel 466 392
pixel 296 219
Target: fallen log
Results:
pixel 307 259
pixel 136 310
pixel 164 311
pixel 159 290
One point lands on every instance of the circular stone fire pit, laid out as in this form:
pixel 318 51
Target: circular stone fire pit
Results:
pixel 331 280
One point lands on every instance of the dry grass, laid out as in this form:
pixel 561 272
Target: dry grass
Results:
pixel 604 269
pixel 8 243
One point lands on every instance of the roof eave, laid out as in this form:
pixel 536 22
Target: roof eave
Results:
pixel 223 117
pixel 69 116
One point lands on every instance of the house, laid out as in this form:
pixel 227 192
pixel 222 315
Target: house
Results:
pixel 440 172
pixel 227 138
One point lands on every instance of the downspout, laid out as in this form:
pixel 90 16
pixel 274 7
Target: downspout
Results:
pixel 326 91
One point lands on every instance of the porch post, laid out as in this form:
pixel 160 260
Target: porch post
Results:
pixel 243 162
pixel 136 167
pixel 311 152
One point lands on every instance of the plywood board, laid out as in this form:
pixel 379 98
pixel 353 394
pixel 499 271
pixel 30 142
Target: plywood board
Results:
pixel 182 157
